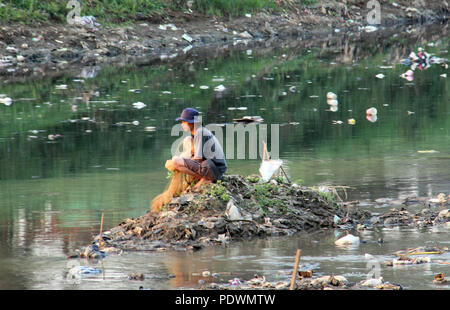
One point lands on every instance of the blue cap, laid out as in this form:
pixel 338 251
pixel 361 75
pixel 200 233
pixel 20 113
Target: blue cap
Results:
pixel 188 115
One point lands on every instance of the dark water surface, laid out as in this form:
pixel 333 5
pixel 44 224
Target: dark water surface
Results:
pixel 65 160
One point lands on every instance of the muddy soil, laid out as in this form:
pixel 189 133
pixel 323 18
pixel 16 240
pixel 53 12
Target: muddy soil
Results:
pixel 44 49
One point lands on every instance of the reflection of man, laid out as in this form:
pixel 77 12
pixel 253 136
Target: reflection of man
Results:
pixel 208 161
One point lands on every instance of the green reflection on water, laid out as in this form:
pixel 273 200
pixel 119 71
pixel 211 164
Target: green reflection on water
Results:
pixel 105 159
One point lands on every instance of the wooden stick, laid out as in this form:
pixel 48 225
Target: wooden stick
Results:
pixel 294 273
pixel 285 174
pixel 101 226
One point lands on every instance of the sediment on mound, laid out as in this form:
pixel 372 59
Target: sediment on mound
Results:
pixel 235 208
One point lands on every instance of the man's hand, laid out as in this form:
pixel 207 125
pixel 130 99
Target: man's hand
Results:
pixel 170 165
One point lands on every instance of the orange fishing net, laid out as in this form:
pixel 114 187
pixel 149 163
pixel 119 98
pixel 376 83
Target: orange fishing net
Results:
pixel 179 181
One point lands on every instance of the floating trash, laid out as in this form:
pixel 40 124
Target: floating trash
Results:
pixel 293 89
pixel 371 111
pixel 242 108
pixel 204 87
pixel 139 105
pixel 408 75
pixel 347 240
pixel 334 108
pixel 54 137
pixel 248 119
pixel 331 96
pixel 427 152
pixel 444 75
pixel 63 86
pixel 6 101
pixel 332 102
pixel 372 282
pixel 351 121
pixel 219 88
pixel 84 270
pixel 150 128
pixel 135 123
pixel 380 76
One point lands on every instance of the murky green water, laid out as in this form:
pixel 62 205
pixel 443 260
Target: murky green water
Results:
pixel 65 160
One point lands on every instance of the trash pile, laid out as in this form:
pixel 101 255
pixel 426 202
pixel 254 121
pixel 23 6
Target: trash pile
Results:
pixel 304 282
pixel 421 219
pixel 235 208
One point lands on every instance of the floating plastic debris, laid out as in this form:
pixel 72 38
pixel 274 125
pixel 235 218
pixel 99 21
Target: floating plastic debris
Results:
pixel 371 111
pixel 77 270
pixel 150 128
pixel 63 86
pixel 331 96
pixel 219 88
pixel 332 102
pixel 139 105
pixel 351 121
pixel 217 79
pixel 347 240
pixel 293 89
pixel 380 76
pixel 204 87
pixel 427 152
pixel 6 101
pixel 444 75
pixel 408 75
pixel 135 123
pixel 372 282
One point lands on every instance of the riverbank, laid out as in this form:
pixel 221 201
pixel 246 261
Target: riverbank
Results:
pixel 46 48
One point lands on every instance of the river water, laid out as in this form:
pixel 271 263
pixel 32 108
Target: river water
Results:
pixel 74 146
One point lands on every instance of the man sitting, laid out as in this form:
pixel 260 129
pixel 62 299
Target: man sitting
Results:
pixel 208 162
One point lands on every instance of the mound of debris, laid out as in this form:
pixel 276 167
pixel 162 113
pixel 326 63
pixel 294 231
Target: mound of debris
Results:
pixel 424 218
pixel 304 282
pixel 234 208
